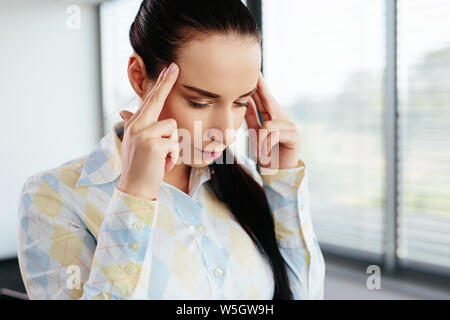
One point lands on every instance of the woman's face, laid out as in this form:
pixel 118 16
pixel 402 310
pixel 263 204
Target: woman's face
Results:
pixel 222 66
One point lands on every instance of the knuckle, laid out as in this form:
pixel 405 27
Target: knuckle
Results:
pixel 267 125
pixel 147 136
pixel 144 136
pixel 131 129
pixel 152 127
pixel 125 126
pixel 154 98
pixel 172 122
pixel 275 133
pixel 175 151
pixel 149 144
pixel 147 98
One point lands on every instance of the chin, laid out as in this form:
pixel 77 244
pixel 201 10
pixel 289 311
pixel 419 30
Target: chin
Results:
pixel 201 165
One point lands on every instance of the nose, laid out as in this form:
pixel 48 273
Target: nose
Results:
pixel 224 123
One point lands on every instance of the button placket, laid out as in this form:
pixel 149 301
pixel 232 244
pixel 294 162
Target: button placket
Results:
pixel 200 177
pixel 195 207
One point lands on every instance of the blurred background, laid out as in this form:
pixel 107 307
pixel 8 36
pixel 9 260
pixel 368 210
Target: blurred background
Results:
pixel 367 82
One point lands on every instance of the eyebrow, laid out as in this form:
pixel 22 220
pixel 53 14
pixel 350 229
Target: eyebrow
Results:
pixel 214 95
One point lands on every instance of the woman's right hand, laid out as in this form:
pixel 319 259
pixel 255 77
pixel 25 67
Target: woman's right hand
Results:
pixel 149 146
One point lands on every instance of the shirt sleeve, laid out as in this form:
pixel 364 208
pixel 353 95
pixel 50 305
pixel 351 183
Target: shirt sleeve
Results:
pixel 288 196
pixel 59 258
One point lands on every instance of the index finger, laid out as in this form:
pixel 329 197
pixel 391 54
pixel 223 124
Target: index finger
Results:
pixel 154 103
pixel 147 96
pixel 265 95
pixel 260 106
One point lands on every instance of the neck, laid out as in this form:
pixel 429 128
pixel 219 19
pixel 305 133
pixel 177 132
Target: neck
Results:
pixel 178 177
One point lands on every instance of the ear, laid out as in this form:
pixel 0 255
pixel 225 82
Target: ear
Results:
pixel 137 74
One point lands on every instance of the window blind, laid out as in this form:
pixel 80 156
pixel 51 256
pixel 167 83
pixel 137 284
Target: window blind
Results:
pixel 324 62
pixel 424 139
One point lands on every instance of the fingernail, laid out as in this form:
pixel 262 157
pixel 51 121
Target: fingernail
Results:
pixel 173 67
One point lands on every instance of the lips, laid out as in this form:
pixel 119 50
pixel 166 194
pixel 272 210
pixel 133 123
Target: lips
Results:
pixel 211 154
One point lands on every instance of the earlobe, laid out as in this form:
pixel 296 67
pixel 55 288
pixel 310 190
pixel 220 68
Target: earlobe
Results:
pixel 136 74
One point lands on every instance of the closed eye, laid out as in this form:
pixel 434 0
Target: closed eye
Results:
pixel 199 105
pixel 242 104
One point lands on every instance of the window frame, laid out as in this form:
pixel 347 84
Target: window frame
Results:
pixel 389 261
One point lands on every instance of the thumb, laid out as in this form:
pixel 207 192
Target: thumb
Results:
pixel 126 115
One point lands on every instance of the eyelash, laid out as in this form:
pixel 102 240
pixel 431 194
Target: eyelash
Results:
pixel 199 105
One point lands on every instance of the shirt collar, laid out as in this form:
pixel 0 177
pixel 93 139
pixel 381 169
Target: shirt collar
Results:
pixel 104 164
pixel 197 177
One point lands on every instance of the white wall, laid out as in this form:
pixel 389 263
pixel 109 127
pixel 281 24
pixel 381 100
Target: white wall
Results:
pixel 50 96
pixel 116 18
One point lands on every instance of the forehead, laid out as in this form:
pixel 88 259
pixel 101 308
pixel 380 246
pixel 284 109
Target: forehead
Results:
pixel 224 65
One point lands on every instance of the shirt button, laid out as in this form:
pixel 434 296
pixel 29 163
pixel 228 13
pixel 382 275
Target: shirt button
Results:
pixel 200 228
pixel 134 246
pixel 303 206
pixel 130 269
pixel 137 226
pixel 218 272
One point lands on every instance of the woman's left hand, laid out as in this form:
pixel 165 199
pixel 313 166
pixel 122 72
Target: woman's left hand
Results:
pixel 280 131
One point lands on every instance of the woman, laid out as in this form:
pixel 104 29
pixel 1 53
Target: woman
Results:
pixel 130 220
